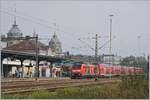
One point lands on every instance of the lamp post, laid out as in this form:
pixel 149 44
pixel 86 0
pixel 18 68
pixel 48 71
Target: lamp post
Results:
pixel 111 15
pixel 110 36
pixel 139 45
pixel 148 67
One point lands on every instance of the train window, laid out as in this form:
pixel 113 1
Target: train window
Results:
pixel 68 64
pixel 77 65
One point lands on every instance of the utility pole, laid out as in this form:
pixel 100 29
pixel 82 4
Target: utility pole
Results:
pixel 96 48
pixel 96 45
pixel 36 56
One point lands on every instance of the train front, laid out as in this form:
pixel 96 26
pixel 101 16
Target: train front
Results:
pixel 76 71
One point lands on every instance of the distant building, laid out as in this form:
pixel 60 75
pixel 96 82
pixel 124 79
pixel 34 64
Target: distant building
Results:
pixel 55 45
pixel 111 59
pixel 54 48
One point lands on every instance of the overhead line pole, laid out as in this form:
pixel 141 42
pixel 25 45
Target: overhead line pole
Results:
pixel 36 56
pixel 96 49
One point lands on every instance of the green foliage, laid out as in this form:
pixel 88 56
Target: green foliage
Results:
pixel 41 94
pixel 132 87
pixel 134 61
pixel 67 93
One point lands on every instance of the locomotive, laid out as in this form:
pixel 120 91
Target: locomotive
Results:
pixel 80 70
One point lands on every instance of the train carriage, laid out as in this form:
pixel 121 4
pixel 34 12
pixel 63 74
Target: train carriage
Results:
pixel 132 70
pixel 139 70
pixel 80 70
pixel 125 70
pixel 116 70
pixel 101 70
pixel 109 70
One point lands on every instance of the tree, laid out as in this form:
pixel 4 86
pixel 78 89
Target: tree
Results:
pixel 134 61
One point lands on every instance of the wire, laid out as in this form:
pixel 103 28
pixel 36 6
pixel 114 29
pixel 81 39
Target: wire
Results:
pixel 38 19
pixel 105 43
pixel 86 44
pixel 30 16
pixel 26 19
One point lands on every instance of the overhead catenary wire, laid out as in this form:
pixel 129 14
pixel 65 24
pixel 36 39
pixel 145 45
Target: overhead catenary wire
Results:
pixel 37 21
pixel 27 19
pixel 42 24
pixel 87 44
pixel 106 43
pixel 102 46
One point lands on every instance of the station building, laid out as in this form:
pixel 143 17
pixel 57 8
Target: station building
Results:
pixel 10 65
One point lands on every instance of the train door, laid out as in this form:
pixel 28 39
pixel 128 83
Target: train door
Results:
pixel 91 70
pixel 83 70
pixel 118 70
pixel 102 70
pixel 87 71
pixel 96 70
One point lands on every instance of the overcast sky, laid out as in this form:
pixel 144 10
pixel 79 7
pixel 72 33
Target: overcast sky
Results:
pixel 83 19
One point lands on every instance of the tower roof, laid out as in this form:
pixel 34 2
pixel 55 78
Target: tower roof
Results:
pixel 14 31
pixel 55 44
pixel 54 39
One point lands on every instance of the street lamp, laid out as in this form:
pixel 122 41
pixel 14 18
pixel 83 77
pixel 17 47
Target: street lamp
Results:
pixel 110 32
pixel 139 47
pixel 111 15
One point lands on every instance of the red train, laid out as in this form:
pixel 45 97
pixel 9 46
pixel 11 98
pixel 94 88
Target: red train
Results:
pixel 80 70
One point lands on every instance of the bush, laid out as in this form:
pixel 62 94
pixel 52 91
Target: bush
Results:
pixel 40 94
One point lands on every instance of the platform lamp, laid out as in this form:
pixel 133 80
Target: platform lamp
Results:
pixel 111 15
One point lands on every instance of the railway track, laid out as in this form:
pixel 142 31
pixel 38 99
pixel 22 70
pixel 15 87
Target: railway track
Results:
pixel 36 83
pixel 51 85
pixel 19 80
